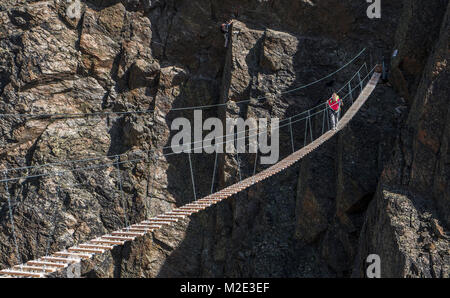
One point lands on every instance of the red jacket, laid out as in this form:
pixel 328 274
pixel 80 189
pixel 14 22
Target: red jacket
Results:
pixel 334 105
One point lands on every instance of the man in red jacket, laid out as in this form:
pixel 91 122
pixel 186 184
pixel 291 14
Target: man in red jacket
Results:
pixel 334 103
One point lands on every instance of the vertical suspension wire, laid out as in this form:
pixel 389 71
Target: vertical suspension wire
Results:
pixel 147 160
pixel 350 90
pixel 310 126
pixel 338 114
pixel 256 163
pixel 328 117
pixel 360 82
pixel 239 166
pixel 214 171
pixel 49 238
pixel 192 175
pixel 13 230
pixel 306 129
pixel 367 70
pixel 292 135
pixel 55 216
pixel 119 178
pixel 147 184
pixel 152 187
pixel 340 110
pixel 238 161
pixel 323 120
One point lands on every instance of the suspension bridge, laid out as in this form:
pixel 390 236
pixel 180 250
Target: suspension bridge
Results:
pixel 57 261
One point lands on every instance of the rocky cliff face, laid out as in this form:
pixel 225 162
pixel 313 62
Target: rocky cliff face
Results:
pixel 407 222
pixel 381 186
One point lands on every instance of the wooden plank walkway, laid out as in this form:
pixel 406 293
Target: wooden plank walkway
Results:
pixel 62 259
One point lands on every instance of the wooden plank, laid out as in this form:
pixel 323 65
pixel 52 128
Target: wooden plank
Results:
pixel 97 246
pixel 141 230
pixel 194 210
pixel 144 226
pixel 126 233
pixel 180 212
pixel 58 260
pixel 34 268
pixel 118 238
pixel 73 255
pixel 196 206
pixel 21 273
pixel 174 216
pixel 47 264
pixel 88 250
pixel 107 241
pixel 165 220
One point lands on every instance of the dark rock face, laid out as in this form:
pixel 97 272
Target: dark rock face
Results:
pixel 408 221
pixel 414 44
pixel 381 186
